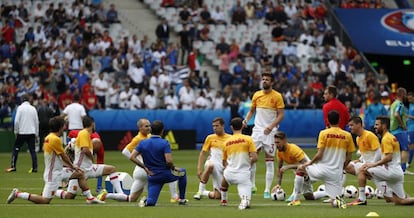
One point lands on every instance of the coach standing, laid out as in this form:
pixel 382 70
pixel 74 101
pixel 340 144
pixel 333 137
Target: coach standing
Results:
pixel 26 129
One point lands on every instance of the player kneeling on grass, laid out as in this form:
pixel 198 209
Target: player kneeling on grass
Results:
pixel 387 169
pixel 335 147
pixel 239 153
pixel 293 155
pixel 213 166
pixel 55 157
pixel 139 174
pixel 158 164
pixel 84 159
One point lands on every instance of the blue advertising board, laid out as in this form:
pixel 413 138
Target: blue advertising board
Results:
pixel 380 31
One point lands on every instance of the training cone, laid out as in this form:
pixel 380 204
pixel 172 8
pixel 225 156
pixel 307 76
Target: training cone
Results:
pixel 372 214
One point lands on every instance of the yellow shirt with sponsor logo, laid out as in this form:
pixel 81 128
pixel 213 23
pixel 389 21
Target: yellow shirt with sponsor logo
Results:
pixel 292 155
pixel 215 143
pixel 52 149
pixel 336 142
pixel 266 105
pixel 236 152
pixel 83 140
pixel 369 146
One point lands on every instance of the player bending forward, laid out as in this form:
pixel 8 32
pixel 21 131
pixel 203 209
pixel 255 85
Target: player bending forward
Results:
pixel 55 157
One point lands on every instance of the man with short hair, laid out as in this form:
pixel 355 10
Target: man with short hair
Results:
pixel 387 169
pixel 74 113
pixel 268 107
pixel 293 156
pixel 213 166
pixel 239 153
pixel 84 159
pixel 159 166
pixel 54 173
pixel 335 147
pixel 26 129
pixel 332 103
pixel 139 174
pixel 398 126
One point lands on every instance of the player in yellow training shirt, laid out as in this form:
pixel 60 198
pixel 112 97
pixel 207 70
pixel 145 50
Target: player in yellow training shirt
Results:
pixel 293 155
pixel 268 107
pixel 239 153
pixel 213 166
pixel 387 169
pixel 84 160
pixel 335 147
pixel 54 173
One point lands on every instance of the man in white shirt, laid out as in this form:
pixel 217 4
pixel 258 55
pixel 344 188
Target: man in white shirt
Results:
pixel 171 101
pixel 186 95
pixel 26 129
pixel 218 16
pixel 164 81
pixel 137 74
pixel 125 97
pixel 74 113
pixel 135 103
pixel 135 44
pixel 101 87
pixel 150 100
pixel 201 102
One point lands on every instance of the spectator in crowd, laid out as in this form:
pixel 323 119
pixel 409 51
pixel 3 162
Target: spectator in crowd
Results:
pixel 112 15
pixel 185 43
pixel 125 97
pixel 218 16
pixel 113 95
pixel 162 31
pixel 184 15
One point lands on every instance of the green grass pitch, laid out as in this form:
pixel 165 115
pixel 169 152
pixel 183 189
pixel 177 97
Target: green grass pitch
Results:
pixel 204 208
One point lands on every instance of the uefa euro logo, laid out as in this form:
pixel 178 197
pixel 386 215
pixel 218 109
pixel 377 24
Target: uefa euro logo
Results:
pixel 401 21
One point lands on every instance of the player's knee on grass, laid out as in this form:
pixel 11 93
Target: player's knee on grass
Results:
pixel 309 196
pixel 214 195
pixel 70 195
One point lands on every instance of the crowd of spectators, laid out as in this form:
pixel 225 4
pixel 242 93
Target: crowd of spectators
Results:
pixel 54 51
pixel 290 39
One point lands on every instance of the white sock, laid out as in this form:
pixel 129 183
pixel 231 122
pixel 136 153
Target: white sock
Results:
pixel 299 180
pixel 205 193
pixel 23 195
pixel 116 183
pixel 253 175
pixel 117 196
pixel 223 194
pixel 201 187
pixel 173 189
pixel 343 179
pixel 270 169
pixel 319 194
pixel 87 193
pixel 362 196
pixel 60 193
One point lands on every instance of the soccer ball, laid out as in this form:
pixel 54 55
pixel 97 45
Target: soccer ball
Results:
pixel 379 194
pixel 351 191
pixel 278 195
pixel 369 192
pixel 321 188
